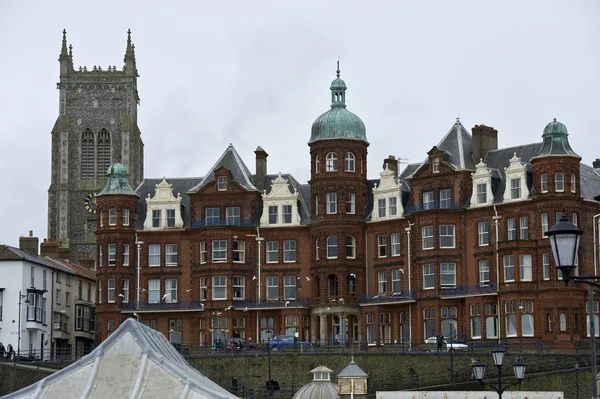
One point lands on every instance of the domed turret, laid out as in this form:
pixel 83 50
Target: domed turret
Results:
pixel 556 142
pixel 117 180
pixel 320 388
pixel 338 122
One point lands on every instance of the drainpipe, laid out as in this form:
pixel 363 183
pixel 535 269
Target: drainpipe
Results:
pixel 409 259
pixel 138 288
pixel 367 262
pixel 496 219
pixel 595 244
pixel 52 299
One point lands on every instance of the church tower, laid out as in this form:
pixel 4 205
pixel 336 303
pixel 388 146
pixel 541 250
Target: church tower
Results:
pixel 96 127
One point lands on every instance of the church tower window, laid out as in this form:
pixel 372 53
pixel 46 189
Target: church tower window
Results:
pixel 87 155
pixel 103 153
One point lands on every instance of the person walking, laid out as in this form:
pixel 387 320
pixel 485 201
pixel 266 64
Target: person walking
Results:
pixel 440 342
pixel 2 350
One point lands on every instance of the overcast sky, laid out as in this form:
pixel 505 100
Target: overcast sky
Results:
pixel 258 72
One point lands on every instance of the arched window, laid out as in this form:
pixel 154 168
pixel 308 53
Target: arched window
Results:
pixel 331 165
pixel 491 327
pixel 332 285
pixel 270 322
pixel 263 322
pixel 350 247
pixel 317 165
pixel 527 325
pixel 511 325
pixel 352 285
pixel 349 162
pixel 103 153
pixel 476 327
pixel 332 251
pixel 179 325
pixel 87 155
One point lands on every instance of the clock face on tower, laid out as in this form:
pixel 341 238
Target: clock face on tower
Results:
pixel 90 203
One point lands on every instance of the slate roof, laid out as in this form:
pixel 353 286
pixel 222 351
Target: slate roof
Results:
pixel 457 143
pixel 232 161
pixel 180 186
pixel 77 269
pixel 589 182
pixel 134 361
pixel 11 253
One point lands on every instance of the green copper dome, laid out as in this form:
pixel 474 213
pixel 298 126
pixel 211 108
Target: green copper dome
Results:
pixel 555 128
pixel 556 142
pixel 338 122
pixel 117 181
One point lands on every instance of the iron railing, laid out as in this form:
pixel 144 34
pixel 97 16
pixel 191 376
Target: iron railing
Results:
pixel 222 222
pixel 183 304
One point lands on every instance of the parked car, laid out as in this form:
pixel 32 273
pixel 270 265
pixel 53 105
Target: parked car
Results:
pixel 281 342
pixel 450 345
pixel 243 344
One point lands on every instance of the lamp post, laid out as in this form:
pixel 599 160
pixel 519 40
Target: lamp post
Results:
pixel 21 296
pixel 564 239
pixel 577 379
pixel 498 354
pixel 268 333
pixel 451 350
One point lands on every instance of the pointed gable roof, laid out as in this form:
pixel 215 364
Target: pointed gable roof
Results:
pixel 134 361
pixel 231 161
pixel 457 144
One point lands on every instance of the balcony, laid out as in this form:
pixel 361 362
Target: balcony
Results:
pixel 179 306
pixel 272 303
pixel 468 290
pixel 387 298
pixel 222 222
pixel 433 205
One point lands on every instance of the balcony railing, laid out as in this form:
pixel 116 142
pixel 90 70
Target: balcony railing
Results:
pixel 387 297
pixel 222 222
pixel 466 290
pixel 336 300
pixel 185 304
pixel 434 205
pixel 274 302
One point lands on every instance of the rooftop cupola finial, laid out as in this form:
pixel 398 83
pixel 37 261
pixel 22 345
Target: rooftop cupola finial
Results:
pixel 338 90
pixel 337 72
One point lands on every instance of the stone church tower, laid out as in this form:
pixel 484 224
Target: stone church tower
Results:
pixel 96 127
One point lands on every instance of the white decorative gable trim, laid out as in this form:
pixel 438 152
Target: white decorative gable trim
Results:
pixel 390 191
pixel 482 176
pixel 162 201
pixel 516 171
pixel 280 197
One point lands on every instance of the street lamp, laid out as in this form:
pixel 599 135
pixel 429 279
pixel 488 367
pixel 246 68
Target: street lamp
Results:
pixel 498 354
pixel 268 333
pixel 577 378
pixel 21 296
pixel 564 239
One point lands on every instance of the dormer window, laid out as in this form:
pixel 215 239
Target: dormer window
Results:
pixel 482 193
pixel 544 183
pixel 280 205
pixel 381 206
pixel 559 182
pixel 516 178
pixel 273 210
pixel 332 163
pixel 515 188
pixel 163 209
pixel 349 162
pixel 156 217
pixel 435 168
pixel 222 183
pixel 387 197
pixel 170 217
pixel 573 183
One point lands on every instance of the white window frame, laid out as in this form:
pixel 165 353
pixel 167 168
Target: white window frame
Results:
pixel 428 276
pixel 332 247
pixel 350 247
pixel 515 188
pixel 447 273
pixel 349 162
pixel 546 266
pixel 156 218
pixel 350 203
pixel 112 254
pixel 447 236
pixel 125 254
pixel 483 232
pixel 273 214
pixel 396 281
pixel 382 246
pixel 286 214
pixel 219 251
pixel 171 254
pixel 212 216
pixel 525 267
pixel 317 164
pixel 395 239
pixel 154 291
pixel 524 228
pixel 272 248
pixel 508 262
pixel 428 200
pixel 446 198
pixel 239 287
pixel 392 206
pixel 112 217
pixel 219 288
pixel 484 272
pixel 382 282
pixel 154 255
pixel 428 236
pixel 239 251
pixel 544 183
pixel 203 253
pixel 125 217
pixel 233 216
pixel 573 183
pixel 111 290
pixel 222 183
pixel 545 222
pixel 170 214
pixel 481 193
pixel 511 227
pixel 171 290
pixel 381 207
pixel 331 162
pixel 435 167
pixel 272 287
pixel 289 251
pixel 331 203
pixel 559 182
pixel 125 291
pixel 289 287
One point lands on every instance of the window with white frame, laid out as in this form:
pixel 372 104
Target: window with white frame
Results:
pixel 396 281
pixel 239 284
pixel 559 182
pixel 203 288
pixel 509 268
pixel 446 198
pixel 170 217
pixel 232 216
pixel 395 244
pixel 527 325
pixel 317 165
pixel 331 203
pixel 382 246
pixel 239 251
pixel 332 248
pixel 525 267
pixel 427 237
pixel 562 322
pixel 428 200
pixel 511 325
pixel 511 225
pixel 381 206
pixel 544 224
pixel 447 238
pixel 219 251
pixel 317 257
pixel 272 251
pixel 203 253
pixel 491 327
pixel 222 183
pixel 272 287
pixel 436 165
pixel 124 291
pixel 331 162
pixel 273 213
pixel 573 183
pixel 171 290
pixel 350 203
pixel 382 282
pixel 213 216
pixel 154 291
pixel 289 251
pixel 428 276
pixel 484 233
pixel 481 193
pixel 154 255
pixel 484 272
pixel 289 287
pixel 573 218
pixel 316 204
pixel 448 275
pixel 125 254
pixel 111 290
pixel 524 225
pixel 476 327
pixel 112 254
pixel 393 206
pixel 349 162
pixel 171 254
pixel 515 188
pixel 156 217
pixel 544 183
pixel 125 217
pixel 350 247
pixel 546 266
pixel 286 211
pixel 219 287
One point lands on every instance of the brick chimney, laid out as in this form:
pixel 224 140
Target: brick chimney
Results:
pixel 29 244
pixel 261 168
pixel 392 164
pixel 596 163
pixel 485 138
pixel 55 249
